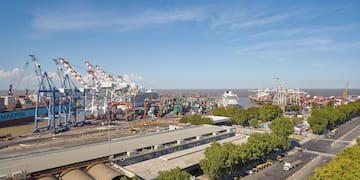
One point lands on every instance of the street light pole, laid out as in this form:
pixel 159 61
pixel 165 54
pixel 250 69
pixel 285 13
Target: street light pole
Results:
pixel 108 120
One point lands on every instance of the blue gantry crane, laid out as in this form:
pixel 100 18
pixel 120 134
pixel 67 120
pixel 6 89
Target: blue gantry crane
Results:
pixel 47 95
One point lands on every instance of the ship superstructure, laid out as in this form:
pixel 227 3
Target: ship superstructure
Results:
pixel 278 95
pixel 229 99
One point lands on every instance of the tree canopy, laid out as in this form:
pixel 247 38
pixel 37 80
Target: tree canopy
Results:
pixel 221 160
pixel 196 120
pixel 282 127
pixel 326 117
pixel 173 174
pixel 246 117
pixel 269 112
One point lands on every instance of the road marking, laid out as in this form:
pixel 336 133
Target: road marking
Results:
pixel 339 139
pixel 320 153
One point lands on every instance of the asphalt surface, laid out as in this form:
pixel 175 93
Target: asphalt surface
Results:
pixel 43 142
pixel 275 171
pixel 329 146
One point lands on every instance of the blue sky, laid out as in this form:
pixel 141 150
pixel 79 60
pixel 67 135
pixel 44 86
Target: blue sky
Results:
pixel 187 44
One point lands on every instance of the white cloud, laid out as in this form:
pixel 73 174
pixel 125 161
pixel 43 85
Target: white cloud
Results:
pixel 304 31
pixel 288 44
pixel 133 77
pixel 61 20
pixel 11 73
pixel 17 77
pixel 246 18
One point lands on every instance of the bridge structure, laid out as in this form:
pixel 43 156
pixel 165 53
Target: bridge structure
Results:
pixel 119 152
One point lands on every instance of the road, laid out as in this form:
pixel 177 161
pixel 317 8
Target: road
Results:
pixel 88 134
pixel 310 157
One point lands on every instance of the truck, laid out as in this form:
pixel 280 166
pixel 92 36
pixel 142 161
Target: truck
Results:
pixel 290 165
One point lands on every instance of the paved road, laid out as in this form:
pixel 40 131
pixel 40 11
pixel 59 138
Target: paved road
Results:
pixel 310 157
pixel 346 133
pixel 276 170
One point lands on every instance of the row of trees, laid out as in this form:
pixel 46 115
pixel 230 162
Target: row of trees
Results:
pixel 344 166
pixel 293 107
pixel 250 116
pixel 196 120
pixel 227 158
pixel 173 174
pixel 327 117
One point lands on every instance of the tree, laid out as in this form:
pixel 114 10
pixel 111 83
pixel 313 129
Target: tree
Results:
pixel 253 112
pixel 254 123
pixel 318 121
pixel 234 159
pixel 269 112
pixel 293 107
pixel 196 120
pixel 297 120
pixel 241 117
pixel 282 127
pixel 221 111
pixel 173 174
pixel 214 163
pixel 231 110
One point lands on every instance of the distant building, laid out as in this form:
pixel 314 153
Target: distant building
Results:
pixel 300 128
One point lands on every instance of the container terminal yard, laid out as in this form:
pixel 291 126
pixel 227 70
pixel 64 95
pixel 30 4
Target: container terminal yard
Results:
pixel 104 127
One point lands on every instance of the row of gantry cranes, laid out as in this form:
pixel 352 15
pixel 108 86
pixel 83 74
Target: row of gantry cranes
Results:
pixel 70 103
pixel 283 96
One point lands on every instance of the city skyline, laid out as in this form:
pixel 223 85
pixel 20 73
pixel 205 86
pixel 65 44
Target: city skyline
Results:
pixel 186 44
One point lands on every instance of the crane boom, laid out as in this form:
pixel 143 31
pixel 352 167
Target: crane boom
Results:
pixel 59 73
pixel 106 75
pixel 94 74
pixel 37 68
pixel 21 75
pixel 73 72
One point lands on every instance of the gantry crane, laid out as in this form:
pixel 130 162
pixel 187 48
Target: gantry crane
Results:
pixel 78 96
pixel 47 96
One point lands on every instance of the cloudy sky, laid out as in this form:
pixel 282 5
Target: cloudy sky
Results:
pixel 186 44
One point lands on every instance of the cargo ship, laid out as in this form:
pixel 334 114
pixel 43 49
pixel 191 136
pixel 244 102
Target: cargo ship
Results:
pixel 262 96
pixel 16 110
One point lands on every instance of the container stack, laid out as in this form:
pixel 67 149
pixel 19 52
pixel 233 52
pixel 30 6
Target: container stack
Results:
pixel 2 105
pixel 10 102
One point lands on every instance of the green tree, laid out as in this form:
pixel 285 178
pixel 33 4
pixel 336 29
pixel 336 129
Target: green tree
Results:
pixel 221 111
pixel 269 112
pixel 196 120
pixel 254 123
pixel 293 107
pixel 173 174
pixel 253 112
pixel 297 120
pixel 231 110
pixel 282 127
pixel 241 117
pixel 318 121
pixel 214 163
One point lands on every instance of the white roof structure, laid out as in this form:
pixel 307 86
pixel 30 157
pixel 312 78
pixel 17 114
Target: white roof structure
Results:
pixel 218 119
